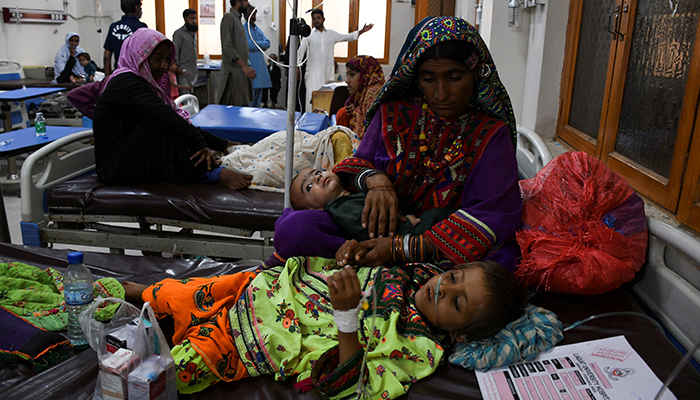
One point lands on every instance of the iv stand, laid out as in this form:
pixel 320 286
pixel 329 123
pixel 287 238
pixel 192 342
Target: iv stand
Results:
pixel 291 104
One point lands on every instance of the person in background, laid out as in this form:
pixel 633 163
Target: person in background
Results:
pixel 269 96
pixel 120 30
pixel 88 65
pixel 140 135
pixel 365 79
pixel 235 87
pixel 175 89
pixel 254 35
pixel 319 47
pixel 66 67
pixel 185 41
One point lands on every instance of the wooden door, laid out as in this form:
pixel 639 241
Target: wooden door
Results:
pixel 647 104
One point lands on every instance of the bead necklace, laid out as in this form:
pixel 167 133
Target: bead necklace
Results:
pixel 451 153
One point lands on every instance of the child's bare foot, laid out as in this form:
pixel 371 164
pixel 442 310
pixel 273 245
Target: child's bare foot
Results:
pixel 234 180
pixel 133 291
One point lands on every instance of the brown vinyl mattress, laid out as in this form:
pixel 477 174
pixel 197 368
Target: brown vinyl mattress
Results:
pixel 75 378
pixel 203 203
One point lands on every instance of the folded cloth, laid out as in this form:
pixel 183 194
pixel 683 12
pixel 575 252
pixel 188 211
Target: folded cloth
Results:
pixel 537 330
pixel 20 340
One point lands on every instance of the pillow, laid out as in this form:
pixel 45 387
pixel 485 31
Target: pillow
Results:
pixel 537 330
pixel 20 340
pixel 583 228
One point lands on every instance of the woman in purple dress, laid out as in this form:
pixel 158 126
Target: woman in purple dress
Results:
pixel 441 134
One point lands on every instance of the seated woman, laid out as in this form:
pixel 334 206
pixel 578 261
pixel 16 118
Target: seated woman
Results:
pixel 442 134
pixel 66 67
pixel 140 136
pixel 365 79
pixel 302 319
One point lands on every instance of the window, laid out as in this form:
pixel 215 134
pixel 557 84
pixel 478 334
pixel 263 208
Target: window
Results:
pixel 168 19
pixel 347 16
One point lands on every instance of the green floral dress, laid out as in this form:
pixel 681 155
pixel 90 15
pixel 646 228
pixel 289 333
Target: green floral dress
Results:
pixel 283 325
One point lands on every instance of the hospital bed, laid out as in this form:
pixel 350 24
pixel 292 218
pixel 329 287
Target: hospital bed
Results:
pixel 195 219
pixel 75 377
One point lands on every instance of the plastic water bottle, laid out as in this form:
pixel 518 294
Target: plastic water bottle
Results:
pixel 77 288
pixel 207 59
pixel 40 125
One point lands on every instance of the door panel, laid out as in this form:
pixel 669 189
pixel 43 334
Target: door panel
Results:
pixel 588 69
pixel 649 100
pixel 652 105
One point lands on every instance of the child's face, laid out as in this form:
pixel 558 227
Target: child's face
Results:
pixel 313 188
pixel 83 61
pixel 462 292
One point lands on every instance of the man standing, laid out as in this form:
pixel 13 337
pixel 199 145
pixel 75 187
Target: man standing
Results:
pixel 320 44
pixel 235 87
pixel 120 30
pixel 185 41
pixel 257 59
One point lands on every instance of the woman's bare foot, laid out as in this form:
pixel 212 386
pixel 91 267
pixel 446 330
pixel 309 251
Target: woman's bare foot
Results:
pixel 133 291
pixel 234 180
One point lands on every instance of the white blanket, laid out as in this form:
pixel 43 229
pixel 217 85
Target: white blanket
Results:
pixel 265 159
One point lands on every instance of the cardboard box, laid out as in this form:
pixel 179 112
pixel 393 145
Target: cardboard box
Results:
pixel 148 381
pixel 114 372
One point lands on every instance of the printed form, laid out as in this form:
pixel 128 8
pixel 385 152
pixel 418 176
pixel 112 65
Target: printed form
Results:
pixel 595 370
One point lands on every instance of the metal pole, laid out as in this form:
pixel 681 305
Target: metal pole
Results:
pixel 291 107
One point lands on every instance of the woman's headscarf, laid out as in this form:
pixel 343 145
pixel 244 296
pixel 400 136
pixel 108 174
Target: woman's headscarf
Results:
pixel 134 58
pixel 369 86
pixel 490 95
pixel 62 57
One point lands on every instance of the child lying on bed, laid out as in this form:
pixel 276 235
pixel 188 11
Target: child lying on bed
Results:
pixel 285 321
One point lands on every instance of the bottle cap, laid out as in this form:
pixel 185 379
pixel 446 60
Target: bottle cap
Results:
pixel 75 257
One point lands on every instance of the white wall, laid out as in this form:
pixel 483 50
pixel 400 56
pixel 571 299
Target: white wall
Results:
pixel 33 43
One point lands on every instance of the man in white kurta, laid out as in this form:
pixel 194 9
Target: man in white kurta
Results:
pixel 320 44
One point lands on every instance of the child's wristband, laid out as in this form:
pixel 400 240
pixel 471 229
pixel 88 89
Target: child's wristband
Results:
pixel 346 320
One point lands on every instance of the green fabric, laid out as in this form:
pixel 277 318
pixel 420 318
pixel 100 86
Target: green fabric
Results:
pixel 287 310
pixel 193 374
pixel 36 295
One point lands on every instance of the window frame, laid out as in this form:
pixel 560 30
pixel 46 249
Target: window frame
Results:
pixel 193 4
pixel 353 25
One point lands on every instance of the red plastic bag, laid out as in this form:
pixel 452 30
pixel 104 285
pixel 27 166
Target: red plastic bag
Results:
pixel 584 229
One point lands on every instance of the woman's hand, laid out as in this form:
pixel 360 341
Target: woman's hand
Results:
pixel 350 252
pixel 378 252
pixel 344 288
pixel 381 212
pixel 202 156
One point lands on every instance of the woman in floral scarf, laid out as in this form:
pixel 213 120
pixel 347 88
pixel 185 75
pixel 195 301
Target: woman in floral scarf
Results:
pixel 140 135
pixel 441 134
pixel 365 79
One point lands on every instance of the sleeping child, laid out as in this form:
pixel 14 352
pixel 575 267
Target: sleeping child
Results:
pixel 381 327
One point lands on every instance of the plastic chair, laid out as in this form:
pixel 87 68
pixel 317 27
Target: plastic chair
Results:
pixel 189 103
pixel 531 152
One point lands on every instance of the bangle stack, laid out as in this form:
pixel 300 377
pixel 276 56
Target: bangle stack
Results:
pixel 408 248
pixel 361 179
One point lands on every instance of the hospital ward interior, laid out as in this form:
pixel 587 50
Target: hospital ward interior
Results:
pixel 350 199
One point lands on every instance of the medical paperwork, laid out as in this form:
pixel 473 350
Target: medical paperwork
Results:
pixel 599 369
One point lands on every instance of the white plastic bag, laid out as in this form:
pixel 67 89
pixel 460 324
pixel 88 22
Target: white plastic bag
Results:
pixel 147 370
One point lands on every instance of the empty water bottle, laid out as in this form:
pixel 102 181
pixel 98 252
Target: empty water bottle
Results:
pixel 40 125
pixel 77 289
